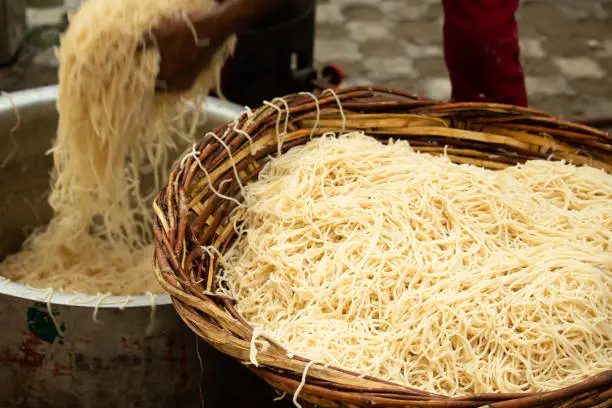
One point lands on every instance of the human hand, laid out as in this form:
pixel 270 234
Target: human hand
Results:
pixel 188 42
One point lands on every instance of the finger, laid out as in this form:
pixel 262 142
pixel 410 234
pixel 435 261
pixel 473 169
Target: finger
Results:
pixel 173 89
pixel 148 40
pixel 205 56
pixel 178 81
pixel 163 30
pixel 161 86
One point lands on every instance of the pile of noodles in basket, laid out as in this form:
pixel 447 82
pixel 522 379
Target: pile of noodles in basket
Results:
pixel 373 248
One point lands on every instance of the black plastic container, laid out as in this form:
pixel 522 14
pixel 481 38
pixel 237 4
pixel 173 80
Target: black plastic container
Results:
pixel 274 57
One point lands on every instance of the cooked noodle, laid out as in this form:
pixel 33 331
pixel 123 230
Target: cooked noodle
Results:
pixel 448 278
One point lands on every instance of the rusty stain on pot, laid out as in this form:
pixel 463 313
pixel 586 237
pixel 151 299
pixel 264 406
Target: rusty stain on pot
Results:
pixel 126 344
pixel 27 355
pixel 60 370
pixel 171 341
pixel 84 363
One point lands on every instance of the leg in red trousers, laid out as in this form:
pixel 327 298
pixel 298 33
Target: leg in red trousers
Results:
pixel 481 51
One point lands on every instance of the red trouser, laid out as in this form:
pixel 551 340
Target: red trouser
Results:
pixel 482 52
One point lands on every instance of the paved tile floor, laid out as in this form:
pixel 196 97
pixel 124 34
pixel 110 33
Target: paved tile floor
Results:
pixel 566 50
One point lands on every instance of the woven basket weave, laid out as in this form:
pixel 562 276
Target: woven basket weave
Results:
pixel 189 215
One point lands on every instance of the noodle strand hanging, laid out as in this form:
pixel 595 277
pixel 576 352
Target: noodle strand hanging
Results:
pixel 113 133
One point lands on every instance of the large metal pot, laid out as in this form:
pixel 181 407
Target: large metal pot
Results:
pixel 129 354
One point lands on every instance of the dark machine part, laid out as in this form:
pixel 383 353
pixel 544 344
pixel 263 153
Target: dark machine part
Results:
pixel 275 57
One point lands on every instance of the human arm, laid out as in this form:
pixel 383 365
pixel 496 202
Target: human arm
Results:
pixel 188 43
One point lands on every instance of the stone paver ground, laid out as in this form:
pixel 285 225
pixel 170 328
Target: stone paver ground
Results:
pixel 566 49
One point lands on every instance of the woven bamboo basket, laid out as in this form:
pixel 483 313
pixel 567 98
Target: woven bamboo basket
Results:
pixel 189 215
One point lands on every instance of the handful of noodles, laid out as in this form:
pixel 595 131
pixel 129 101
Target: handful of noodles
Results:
pixel 113 129
pixel 447 278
